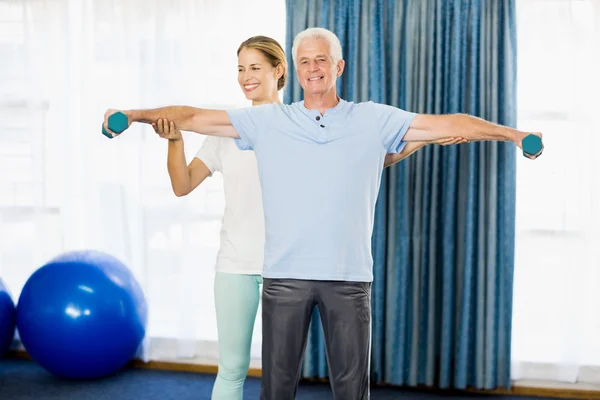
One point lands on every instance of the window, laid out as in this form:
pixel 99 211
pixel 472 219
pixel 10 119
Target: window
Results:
pixel 63 64
pixel 555 319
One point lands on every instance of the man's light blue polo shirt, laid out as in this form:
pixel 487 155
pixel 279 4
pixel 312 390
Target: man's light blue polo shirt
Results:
pixel 320 176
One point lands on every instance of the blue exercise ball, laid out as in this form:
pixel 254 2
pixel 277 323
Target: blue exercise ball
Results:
pixel 82 315
pixel 8 319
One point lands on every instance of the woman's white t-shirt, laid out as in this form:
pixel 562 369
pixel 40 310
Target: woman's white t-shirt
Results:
pixel 243 227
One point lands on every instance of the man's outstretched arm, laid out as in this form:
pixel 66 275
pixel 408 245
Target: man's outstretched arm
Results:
pixel 426 127
pixel 203 121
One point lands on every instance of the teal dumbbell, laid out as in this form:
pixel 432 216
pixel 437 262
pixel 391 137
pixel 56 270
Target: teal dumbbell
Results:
pixel 117 123
pixel 532 145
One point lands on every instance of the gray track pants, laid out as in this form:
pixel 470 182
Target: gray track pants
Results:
pixel 345 309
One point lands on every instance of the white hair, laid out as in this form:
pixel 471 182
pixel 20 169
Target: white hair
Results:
pixel 335 48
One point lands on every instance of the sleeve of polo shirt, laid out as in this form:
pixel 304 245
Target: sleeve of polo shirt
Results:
pixel 209 153
pixel 393 124
pixel 249 123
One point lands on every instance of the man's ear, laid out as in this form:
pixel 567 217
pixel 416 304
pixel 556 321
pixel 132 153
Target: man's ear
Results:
pixel 340 67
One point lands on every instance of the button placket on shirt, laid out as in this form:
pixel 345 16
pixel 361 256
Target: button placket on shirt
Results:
pixel 322 137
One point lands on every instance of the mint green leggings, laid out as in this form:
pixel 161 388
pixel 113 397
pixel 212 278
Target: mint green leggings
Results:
pixel 236 303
